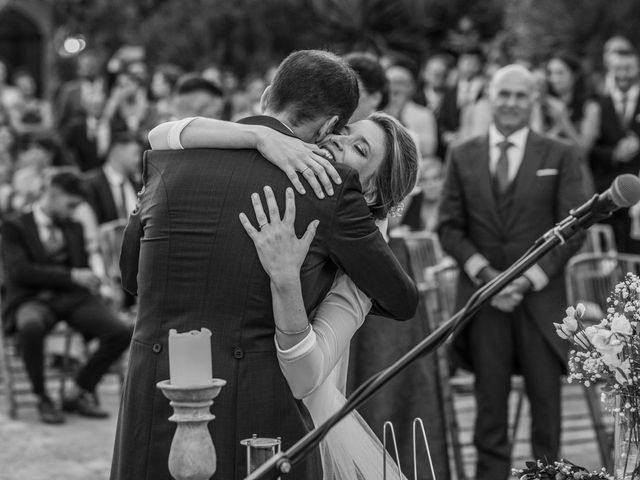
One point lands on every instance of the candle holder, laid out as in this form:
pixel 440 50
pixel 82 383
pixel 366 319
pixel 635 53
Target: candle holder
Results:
pixel 192 455
pixel 259 450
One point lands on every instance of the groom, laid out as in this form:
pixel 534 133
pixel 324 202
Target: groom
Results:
pixel 198 268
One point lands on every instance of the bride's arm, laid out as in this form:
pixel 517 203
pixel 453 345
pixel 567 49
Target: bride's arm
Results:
pixel 290 154
pixel 307 353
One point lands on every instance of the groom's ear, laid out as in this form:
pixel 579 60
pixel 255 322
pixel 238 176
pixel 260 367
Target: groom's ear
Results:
pixel 327 128
pixel 264 99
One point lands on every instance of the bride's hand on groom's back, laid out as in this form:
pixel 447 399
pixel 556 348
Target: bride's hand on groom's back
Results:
pixel 293 157
pixel 280 251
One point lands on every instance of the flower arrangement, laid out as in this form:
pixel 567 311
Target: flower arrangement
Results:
pixel 562 470
pixel 608 353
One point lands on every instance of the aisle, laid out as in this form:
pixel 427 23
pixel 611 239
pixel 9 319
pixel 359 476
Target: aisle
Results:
pixel 578 438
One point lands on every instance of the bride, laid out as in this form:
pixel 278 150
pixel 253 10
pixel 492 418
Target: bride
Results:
pixel 313 351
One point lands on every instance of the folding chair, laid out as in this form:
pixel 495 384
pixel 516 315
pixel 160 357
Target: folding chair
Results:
pixel 590 277
pixel 15 381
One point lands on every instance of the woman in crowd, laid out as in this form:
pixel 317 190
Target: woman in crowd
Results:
pixel 30 116
pixel 315 358
pixel 568 110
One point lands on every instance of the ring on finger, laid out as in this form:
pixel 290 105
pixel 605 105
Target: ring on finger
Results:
pixel 304 170
pixel 262 225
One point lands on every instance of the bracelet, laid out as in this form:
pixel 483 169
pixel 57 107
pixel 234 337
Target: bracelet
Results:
pixel 289 332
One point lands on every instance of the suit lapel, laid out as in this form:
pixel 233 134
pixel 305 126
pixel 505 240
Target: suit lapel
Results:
pixel 32 238
pixel 111 210
pixel 526 176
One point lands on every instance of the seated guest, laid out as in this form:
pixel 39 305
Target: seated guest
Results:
pixel 86 136
pixel 111 189
pixel 47 279
pixel 30 116
pixel 420 211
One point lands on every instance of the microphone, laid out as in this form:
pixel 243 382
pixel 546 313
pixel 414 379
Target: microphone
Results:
pixel 623 192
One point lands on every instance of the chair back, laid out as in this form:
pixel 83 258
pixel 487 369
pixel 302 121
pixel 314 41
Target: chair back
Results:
pixel 600 239
pixel 423 250
pixel 590 278
pixel 442 285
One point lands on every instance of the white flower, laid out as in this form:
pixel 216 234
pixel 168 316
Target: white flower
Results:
pixel 620 324
pixel 570 323
pixel 560 331
pixel 580 309
pixel 570 311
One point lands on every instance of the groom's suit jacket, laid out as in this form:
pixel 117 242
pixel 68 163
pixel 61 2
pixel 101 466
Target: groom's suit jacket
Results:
pixel 546 187
pixel 198 268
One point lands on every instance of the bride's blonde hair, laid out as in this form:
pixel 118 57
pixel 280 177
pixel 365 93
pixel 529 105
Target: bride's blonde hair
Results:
pixel 396 176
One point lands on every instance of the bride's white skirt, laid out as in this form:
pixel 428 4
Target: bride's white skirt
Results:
pixel 351 450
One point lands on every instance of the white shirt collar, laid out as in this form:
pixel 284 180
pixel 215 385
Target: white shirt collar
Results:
pixel 518 138
pixel 42 219
pixel 113 177
pixel 631 93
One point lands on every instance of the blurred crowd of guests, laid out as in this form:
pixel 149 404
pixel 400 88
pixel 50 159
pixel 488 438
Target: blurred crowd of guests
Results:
pixel 96 124
pixel 100 119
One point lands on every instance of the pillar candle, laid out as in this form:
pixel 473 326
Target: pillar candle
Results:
pixel 190 357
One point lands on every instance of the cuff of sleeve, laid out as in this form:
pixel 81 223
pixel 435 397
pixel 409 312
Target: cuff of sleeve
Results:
pixel 537 277
pixel 173 137
pixel 474 264
pixel 299 350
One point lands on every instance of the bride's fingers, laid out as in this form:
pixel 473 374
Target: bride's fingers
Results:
pixel 261 217
pixel 251 231
pixel 289 208
pixel 272 205
pixel 307 238
pixel 328 166
pixel 295 180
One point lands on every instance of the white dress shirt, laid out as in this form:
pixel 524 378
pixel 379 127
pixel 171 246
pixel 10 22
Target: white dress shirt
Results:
pixel 115 181
pixel 630 106
pixel 515 154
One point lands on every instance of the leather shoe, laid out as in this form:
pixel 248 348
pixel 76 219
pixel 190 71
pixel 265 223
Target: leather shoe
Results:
pixel 85 405
pixel 49 412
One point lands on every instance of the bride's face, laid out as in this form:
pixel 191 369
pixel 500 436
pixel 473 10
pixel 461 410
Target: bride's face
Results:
pixel 361 145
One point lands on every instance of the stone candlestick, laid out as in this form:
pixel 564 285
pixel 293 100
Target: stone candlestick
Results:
pixel 192 455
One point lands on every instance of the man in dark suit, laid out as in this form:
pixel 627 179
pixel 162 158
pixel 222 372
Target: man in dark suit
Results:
pixel 199 268
pixel 47 279
pixel 466 91
pixel 85 136
pixel 501 192
pixel 111 189
pixel 617 149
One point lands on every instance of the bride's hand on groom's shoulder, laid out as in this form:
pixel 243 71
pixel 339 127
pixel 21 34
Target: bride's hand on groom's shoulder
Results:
pixel 280 251
pixel 293 157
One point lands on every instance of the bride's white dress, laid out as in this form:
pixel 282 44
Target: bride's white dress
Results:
pixel 316 370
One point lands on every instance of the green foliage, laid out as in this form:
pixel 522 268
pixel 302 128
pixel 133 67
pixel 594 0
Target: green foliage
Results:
pixel 250 35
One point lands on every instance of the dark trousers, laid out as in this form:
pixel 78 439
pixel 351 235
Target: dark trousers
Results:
pixel 503 344
pixel 88 315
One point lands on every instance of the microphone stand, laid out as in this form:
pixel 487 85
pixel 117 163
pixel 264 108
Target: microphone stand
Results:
pixel 578 220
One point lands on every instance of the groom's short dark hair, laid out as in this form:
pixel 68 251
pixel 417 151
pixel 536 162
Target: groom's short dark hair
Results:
pixel 313 83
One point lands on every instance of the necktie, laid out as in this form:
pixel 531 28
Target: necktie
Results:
pixel 124 213
pixel 623 108
pixel 502 167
